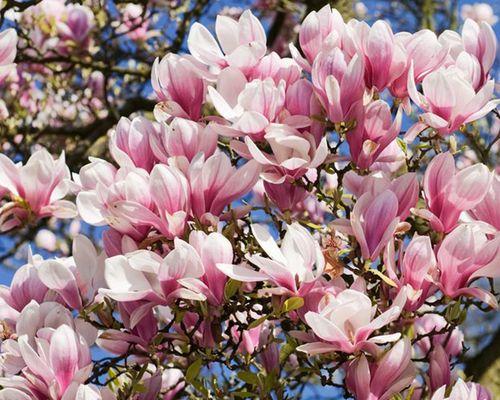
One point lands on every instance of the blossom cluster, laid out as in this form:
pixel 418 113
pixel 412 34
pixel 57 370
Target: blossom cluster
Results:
pixel 273 219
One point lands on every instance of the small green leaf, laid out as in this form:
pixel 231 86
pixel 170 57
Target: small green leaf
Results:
pixel 286 350
pixel 293 303
pixel 193 370
pixel 231 288
pixel 385 278
pixel 248 377
pixel 257 322
pixel 402 144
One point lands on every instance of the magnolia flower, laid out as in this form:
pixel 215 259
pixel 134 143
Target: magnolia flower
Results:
pixel 164 203
pixel 243 42
pixel 338 83
pixel 487 210
pixel 467 253
pixel 425 52
pixel 448 193
pixel 76 279
pixel 417 266
pixel 320 30
pixel 215 184
pixel 449 101
pixel 405 187
pixel 382 379
pixel 384 58
pixel 345 323
pixel 182 138
pixel 374 131
pixel 480 41
pixel 279 69
pixel 33 321
pixel 129 143
pixel 75 28
pixel 144 275
pixel 36 188
pixel 188 272
pixel 462 390
pixel 293 153
pixel 179 85
pixel 293 269
pixel 104 188
pixel 250 107
pixel 452 343
pixel 59 359
pixel 8 42
pixel 373 222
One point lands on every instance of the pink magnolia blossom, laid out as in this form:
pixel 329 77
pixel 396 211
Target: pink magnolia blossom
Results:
pixel 215 184
pixel 104 188
pixel 129 143
pixel 480 41
pixel 76 279
pixel 249 107
pixel 382 379
pixel 189 272
pixel 183 138
pixel 449 101
pixel 36 189
pixel 462 390
pixel 452 343
pixel 448 193
pixel 439 373
pixel 425 52
pixel 144 275
pixel 338 83
pixel 179 85
pixel 416 266
pixel 74 30
pixel 279 69
pixel 8 42
pixel 405 187
pixel 391 160
pixel 320 30
pixel 467 253
pixel 58 359
pixel 294 268
pixel 487 210
pixel 168 193
pixel 243 42
pixel 34 320
pixel 373 222
pixel 25 286
pixel 346 321
pixel 285 195
pixel 384 57
pixel 374 131
pixel 293 153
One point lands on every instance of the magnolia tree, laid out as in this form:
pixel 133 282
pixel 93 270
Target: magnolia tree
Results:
pixel 271 223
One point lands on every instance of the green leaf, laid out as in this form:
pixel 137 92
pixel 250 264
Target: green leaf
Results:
pixel 231 288
pixel 248 377
pixel 193 370
pixel 257 322
pixel 385 278
pixel 286 350
pixel 402 144
pixel 293 303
